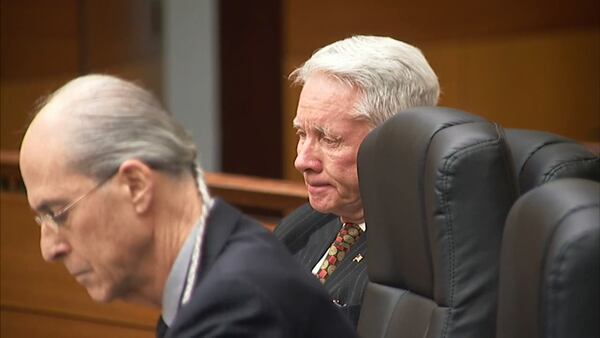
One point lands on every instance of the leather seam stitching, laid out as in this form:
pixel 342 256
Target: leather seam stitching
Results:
pixel 550 175
pixel 447 165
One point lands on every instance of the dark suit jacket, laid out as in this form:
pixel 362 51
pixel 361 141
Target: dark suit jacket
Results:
pixel 308 234
pixel 248 285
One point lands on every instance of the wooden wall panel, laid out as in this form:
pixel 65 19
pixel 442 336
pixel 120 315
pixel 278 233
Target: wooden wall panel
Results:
pixel 44 44
pixel 123 38
pixel 16 324
pixel 536 81
pixel 310 24
pixel 249 88
pixel 523 64
pixel 39 52
pixel 18 99
pixel 38 38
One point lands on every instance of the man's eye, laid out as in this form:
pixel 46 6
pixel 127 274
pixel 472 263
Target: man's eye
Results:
pixel 331 140
pixel 51 213
pixel 60 217
pixel 300 133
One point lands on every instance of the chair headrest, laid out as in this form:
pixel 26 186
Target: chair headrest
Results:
pixel 540 157
pixel 549 273
pixel 436 184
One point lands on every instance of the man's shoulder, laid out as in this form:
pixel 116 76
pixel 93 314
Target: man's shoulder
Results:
pixel 303 217
pixel 296 229
pixel 268 298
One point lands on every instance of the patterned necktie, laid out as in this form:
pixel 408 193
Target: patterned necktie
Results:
pixel 347 236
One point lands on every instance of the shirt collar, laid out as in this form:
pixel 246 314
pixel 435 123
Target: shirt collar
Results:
pixel 362 226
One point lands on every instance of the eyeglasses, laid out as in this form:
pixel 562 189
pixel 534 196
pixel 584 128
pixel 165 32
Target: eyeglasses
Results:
pixel 56 219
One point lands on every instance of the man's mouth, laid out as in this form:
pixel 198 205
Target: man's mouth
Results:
pixel 80 274
pixel 316 187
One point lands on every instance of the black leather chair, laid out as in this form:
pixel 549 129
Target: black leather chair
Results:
pixel 540 157
pixel 436 186
pixel 550 263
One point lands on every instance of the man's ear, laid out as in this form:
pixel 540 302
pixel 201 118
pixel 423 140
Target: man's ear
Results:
pixel 138 181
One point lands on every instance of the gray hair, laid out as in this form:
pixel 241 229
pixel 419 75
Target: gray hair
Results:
pixel 391 75
pixel 113 120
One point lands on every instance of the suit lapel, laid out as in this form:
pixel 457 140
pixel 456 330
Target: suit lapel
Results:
pixel 220 224
pixel 320 241
pixel 296 228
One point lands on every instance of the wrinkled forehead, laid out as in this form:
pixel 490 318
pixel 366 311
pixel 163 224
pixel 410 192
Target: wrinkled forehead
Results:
pixel 333 120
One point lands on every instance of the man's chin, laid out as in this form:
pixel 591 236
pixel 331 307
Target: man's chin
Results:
pixel 320 205
pixel 100 295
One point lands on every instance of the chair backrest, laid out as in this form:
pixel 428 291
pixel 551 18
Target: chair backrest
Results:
pixel 540 157
pixel 550 263
pixel 436 186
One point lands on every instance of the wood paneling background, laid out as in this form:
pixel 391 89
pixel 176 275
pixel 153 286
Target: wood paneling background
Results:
pixel 250 90
pixel 46 43
pixel 524 64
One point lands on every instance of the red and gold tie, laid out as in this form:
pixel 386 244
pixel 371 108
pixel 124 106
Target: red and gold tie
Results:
pixel 347 236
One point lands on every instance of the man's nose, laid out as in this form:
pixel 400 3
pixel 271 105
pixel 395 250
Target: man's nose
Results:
pixel 54 247
pixel 308 157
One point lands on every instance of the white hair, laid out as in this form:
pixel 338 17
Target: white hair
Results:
pixel 391 75
pixel 113 120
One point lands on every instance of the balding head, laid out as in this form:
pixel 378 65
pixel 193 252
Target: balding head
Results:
pixel 94 123
pixel 103 120
pixel 111 176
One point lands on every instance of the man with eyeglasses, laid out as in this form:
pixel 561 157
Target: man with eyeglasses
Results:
pixel 123 205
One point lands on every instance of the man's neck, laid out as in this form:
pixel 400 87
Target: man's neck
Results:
pixel 183 208
pixel 356 218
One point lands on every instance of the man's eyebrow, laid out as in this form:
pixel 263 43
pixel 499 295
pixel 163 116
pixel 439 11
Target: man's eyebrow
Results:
pixel 362 118
pixel 319 129
pixel 324 131
pixel 45 206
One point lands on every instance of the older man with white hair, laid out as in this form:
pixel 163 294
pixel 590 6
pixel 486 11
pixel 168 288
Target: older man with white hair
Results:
pixel 349 87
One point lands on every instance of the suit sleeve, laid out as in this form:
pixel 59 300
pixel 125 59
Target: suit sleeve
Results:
pixel 234 309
